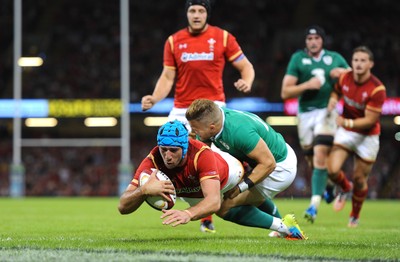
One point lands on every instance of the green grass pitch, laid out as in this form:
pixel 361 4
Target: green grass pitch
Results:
pixel 91 229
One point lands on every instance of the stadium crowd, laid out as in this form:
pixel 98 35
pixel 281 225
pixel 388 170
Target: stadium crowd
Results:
pixel 79 42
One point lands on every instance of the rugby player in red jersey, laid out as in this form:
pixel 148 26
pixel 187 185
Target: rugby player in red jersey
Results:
pixel 359 129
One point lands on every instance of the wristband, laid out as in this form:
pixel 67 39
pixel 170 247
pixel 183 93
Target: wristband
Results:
pixel 245 184
pixel 348 123
pixel 189 213
pixel 351 123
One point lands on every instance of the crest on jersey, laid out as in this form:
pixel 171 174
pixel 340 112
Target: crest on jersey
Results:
pixel 327 60
pixel 364 95
pixel 211 42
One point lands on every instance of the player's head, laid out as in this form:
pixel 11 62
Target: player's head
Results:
pixel 205 118
pixel 362 61
pixel 315 30
pixel 205 3
pixel 198 13
pixel 174 134
pixel 314 39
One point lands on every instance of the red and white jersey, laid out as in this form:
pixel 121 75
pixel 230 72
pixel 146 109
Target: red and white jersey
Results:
pixel 199 62
pixel 359 97
pixel 202 163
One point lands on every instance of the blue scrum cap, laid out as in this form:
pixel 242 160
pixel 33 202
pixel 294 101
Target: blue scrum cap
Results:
pixel 174 133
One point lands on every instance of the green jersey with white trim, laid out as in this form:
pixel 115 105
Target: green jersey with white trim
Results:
pixel 304 67
pixel 241 132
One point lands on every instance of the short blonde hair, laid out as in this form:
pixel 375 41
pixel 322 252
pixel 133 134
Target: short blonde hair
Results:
pixel 203 110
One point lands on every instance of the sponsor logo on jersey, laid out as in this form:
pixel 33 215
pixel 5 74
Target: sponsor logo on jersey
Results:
pixel 188 190
pixel 182 46
pixel 306 61
pixel 187 57
pixel 224 144
pixel 353 103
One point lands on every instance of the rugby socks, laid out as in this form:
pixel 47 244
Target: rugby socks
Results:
pixel 318 181
pixel 270 208
pixel 342 181
pixel 249 216
pixel 357 201
pixel 209 218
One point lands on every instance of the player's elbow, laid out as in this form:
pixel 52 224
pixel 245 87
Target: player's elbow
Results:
pixel 284 94
pixel 123 209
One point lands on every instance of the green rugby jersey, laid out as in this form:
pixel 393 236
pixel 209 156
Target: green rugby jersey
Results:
pixel 241 132
pixel 304 67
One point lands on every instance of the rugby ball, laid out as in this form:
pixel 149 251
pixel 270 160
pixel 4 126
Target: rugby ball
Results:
pixel 157 202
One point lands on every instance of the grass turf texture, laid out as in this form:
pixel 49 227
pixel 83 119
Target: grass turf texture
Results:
pixel 91 229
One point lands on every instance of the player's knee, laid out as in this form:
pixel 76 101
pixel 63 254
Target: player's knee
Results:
pixel 325 140
pixel 308 152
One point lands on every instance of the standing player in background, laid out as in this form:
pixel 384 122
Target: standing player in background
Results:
pixel 310 76
pixel 194 59
pixel 359 129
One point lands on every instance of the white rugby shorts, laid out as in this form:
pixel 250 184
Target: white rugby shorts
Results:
pixel 365 146
pixel 313 123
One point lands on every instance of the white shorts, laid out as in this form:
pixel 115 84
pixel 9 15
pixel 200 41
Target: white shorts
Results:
pixel 366 147
pixel 236 173
pixel 180 114
pixel 313 123
pixel 281 178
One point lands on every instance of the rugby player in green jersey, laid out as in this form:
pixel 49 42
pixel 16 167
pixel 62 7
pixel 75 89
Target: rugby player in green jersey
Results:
pixel 248 138
pixel 310 77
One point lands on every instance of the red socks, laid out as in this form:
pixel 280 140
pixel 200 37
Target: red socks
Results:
pixel 342 181
pixel 209 218
pixel 357 200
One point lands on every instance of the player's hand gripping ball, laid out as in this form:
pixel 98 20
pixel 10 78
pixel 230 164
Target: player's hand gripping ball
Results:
pixel 157 202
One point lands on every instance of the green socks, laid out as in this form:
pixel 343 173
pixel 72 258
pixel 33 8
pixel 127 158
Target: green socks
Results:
pixel 249 216
pixel 270 208
pixel 318 181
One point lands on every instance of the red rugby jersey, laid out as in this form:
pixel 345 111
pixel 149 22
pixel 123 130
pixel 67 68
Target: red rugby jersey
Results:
pixel 202 163
pixel 199 62
pixel 358 97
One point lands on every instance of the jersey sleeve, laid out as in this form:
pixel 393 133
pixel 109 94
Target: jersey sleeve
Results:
pixel 342 62
pixel 169 59
pixel 146 164
pixel 292 68
pixel 377 99
pixel 232 48
pixel 207 167
pixel 339 84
